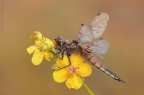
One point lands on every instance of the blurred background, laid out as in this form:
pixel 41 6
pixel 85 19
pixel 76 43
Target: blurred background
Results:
pixel 125 33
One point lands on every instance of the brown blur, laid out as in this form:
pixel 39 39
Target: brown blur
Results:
pixel 125 33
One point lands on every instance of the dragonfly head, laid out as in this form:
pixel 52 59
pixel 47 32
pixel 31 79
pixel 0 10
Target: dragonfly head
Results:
pixel 59 41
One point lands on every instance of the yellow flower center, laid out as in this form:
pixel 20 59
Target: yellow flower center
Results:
pixel 42 46
pixel 72 70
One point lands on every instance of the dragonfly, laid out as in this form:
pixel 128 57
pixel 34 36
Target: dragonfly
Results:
pixel 88 43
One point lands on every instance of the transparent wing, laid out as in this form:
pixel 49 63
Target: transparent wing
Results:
pixel 99 47
pixel 85 35
pixel 99 23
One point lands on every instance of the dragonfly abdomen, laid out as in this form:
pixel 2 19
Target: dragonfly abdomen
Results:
pixel 90 57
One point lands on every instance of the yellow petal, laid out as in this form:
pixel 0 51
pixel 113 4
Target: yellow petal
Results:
pixel 31 49
pixel 38 42
pixel 49 56
pixel 55 67
pixel 76 60
pixel 62 63
pixel 38 34
pixel 84 70
pixel 74 82
pixel 37 57
pixel 49 42
pixel 60 75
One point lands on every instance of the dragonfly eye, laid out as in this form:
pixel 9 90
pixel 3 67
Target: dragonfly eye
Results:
pixel 58 41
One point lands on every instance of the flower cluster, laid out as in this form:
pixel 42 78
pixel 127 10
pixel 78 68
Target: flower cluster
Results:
pixel 42 48
pixel 72 73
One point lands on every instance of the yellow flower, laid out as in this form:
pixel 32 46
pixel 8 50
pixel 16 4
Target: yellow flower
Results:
pixel 36 36
pixel 72 74
pixel 41 49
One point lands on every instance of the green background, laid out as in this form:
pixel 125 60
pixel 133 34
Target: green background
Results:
pixel 125 33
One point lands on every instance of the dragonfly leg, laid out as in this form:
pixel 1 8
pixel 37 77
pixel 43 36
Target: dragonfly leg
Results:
pixel 57 53
pixel 68 55
pixel 62 55
pixel 60 50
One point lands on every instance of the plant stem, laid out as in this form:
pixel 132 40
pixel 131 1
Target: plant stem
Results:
pixel 86 87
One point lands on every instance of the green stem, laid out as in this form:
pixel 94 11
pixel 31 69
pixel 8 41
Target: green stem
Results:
pixel 86 87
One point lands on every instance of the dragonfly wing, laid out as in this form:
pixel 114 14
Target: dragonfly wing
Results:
pixel 85 35
pixel 99 23
pixel 99 47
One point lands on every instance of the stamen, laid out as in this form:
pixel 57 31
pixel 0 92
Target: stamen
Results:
pixel 72 70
